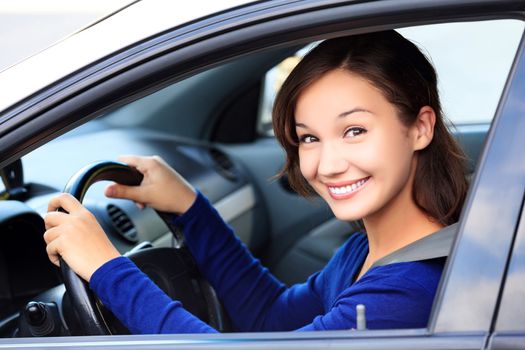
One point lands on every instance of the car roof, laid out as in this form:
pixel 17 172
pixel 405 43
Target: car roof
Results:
pixel 128 26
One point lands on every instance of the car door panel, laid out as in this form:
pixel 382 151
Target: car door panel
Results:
pixel 366 340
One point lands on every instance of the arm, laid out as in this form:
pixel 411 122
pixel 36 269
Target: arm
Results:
pixel 396 296
pixel 139 304
pixel 255 300
pixel 144 308
pixel 248 289
pixel 77 237
pixel 393 300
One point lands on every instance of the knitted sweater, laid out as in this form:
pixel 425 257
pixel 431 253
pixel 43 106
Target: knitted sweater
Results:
pixel 397 295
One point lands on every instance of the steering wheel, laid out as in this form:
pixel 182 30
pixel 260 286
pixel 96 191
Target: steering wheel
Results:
pixel 172 269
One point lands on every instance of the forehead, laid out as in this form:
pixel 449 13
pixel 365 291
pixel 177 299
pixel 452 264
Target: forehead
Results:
pixel 336 92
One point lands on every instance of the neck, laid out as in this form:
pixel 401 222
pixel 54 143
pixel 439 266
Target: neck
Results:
pixel 396 225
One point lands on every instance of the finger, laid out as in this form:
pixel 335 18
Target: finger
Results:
pixel 54 218
pixel 64 201
pixel 134 193
pixel 143 163
pixel 52 253
pixel 51 234
pixel 134 161
pixel 159 160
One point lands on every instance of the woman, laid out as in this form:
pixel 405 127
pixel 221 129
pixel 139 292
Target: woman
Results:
pixel 361 124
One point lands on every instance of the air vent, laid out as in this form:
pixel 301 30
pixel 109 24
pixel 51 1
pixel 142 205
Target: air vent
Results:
pixel 122 224
pixel 224 164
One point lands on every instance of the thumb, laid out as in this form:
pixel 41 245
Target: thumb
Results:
pixel 133 193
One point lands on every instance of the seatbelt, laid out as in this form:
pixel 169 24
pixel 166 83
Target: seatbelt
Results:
pixel 435 245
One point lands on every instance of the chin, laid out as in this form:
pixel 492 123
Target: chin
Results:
pixel 343 210
pixel 347 214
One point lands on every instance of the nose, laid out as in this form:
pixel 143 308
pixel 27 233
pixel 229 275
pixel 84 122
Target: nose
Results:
pixel 332 160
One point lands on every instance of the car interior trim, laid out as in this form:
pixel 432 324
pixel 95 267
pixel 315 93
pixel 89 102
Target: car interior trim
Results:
pixel 236 203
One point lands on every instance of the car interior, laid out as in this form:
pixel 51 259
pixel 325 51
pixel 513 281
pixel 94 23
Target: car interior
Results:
pixel 214 129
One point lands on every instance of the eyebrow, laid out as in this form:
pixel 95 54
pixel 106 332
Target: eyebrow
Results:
pixel 342 115
pixel 354 110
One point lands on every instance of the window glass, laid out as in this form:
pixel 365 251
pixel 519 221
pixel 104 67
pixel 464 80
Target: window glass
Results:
pixel 511 315
pixel 472 61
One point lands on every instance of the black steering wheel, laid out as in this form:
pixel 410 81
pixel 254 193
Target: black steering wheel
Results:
pixel 172 269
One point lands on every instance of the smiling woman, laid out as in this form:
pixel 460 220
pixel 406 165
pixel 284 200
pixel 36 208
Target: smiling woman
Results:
pixel 351 143
pixel 381 93
pixel 360 120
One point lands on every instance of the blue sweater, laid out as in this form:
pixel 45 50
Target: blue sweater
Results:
pixel 398 295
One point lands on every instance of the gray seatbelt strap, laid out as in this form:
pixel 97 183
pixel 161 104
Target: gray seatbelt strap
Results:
pixel 435 245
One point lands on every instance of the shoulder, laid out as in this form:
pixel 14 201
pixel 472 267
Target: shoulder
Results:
pixel 399 295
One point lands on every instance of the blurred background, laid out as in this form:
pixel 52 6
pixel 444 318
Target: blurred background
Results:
pixel 29 26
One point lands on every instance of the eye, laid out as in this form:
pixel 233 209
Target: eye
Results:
pixel 307 139
pixel 354 131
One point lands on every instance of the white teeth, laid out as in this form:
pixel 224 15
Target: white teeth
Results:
pixel 348 188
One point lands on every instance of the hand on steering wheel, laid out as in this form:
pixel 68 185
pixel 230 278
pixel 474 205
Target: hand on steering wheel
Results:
pixel 160 185
pixel 76 236
pixel 80 229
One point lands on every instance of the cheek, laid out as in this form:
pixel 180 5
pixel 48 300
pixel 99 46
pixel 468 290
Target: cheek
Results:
pixel 396 154
pixel 384 155
pixel 308 164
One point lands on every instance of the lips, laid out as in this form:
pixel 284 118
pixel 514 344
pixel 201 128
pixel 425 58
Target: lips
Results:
pixel 345 190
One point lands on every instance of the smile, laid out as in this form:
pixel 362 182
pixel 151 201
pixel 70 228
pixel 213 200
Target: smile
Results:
pixel 346 190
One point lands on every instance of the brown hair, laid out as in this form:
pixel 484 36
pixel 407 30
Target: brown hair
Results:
pixel 408 81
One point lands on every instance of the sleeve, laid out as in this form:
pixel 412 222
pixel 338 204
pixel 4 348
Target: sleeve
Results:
pixel 391 302
pixel 395 296
pixel 255 300
pixel 139 304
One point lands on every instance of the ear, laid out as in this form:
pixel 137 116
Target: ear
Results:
pixel 423 128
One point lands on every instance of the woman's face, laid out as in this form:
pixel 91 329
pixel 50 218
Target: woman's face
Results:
pixel 354 151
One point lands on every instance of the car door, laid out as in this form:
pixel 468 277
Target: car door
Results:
pixel 467 300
